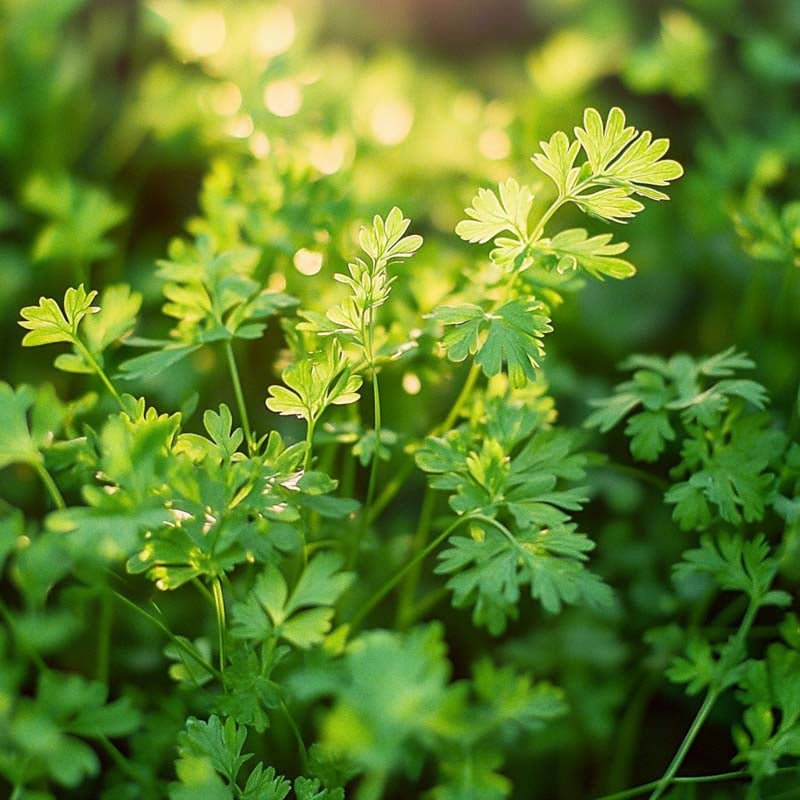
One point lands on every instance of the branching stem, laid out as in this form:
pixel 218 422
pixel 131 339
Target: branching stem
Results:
pixel 736 642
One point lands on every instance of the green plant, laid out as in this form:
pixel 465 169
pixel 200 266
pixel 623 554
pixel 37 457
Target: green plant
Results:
pixel 264 575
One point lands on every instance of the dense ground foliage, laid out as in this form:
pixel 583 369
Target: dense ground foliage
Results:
pixel 305 495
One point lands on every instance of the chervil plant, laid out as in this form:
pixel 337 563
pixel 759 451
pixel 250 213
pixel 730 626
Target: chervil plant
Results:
pixel 221 595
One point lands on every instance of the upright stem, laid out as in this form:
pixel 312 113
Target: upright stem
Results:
pixel 409 587
pixel 50 485
pixel 301 745
pixel 99 371
pixel 387 587
pixel 711 697
pixel 309 442
pixel 553 207
pixel 237 390
pixel 178 642
pixel 455 410
pixel 373 472
pixel 219 603
pixel 691 735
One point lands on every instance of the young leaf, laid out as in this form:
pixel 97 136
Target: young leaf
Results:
pixel 48 323
pixel 315 382
pixel 491 216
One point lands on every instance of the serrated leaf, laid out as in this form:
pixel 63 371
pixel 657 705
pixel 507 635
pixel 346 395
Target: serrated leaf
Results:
pixel 47 323
pixel 491 215
pixel 510 337
pixel 573 249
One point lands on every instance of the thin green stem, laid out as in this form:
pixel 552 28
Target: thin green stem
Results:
pixel 455 410
pixel 390 490
pixel 408 588
pixel 198 584
pixel 387 587
pixel 545 218
pixel 219 605
pixel 99 371
pixel 373 471
pixel 50 485
pixel 301 745
pixel 309 443
pixel 123 764
pixel 646 787
pixel 193 654
pixel 688 740
pixel 736 642
pixel 237 390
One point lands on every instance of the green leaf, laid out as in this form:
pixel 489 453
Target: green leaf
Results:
pixel 733 476
pixel 30 420
pixel 265 784
pixel 311 789
pixel 302 617
pixel 369 282
pixel 649 432
pixel 771 690
pixel 617 156
pixel 385 242
pixel 220 429
pixel 613 205
pixel 392 697
pixel 489 569
pixel 81 215
pixel 678 384
pixel 472 776
pixel 116 319
pixel 603 143
pixel 556 161
pixel 43 732
pixel 619 163
pixel 491 215
pixel 48 323
pixel 531 485
pixel 151 364
pixel 222 744
pixel 735 564
pixel 573 249
pixel 313 384
pixel 510 337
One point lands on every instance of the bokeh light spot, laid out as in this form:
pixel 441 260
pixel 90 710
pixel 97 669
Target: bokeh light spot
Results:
pixel 207 33
pixel 391 121
pixel 283 98
pixel 275 32
pixel 307 262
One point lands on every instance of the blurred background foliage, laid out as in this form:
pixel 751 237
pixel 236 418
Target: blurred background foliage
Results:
pixel 124 124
